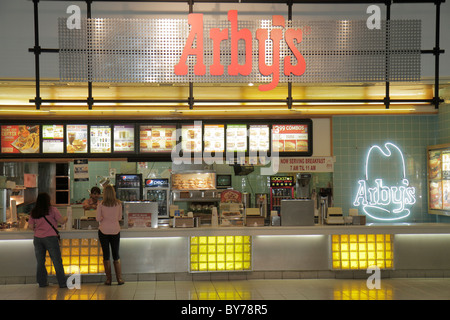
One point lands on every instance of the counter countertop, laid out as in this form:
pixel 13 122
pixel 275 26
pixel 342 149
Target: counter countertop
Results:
pixel 400 228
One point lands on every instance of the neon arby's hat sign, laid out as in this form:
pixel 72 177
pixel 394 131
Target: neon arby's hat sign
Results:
pixel 388 198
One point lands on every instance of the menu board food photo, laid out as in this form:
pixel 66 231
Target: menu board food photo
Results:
pixel 290 137
pixel 191 138
pixel 100 139
pixel 53 138
pixel 77 138
pixel 439 179
pixel 237 138
pixel 214 138
pixel 124 138
pixel 259 138
pixel 157 138
pixel 20 139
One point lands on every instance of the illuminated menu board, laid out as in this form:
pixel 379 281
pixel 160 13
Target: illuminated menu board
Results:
pixel 191 138
pixel 439 179
pixel 157 138
pixel 77 138
pixel 214 138
pixel 100 139
pixel 124 138
pixel 290 137
pixel 236 138
pixel 259 137
pixel 20 139
pixel 53 138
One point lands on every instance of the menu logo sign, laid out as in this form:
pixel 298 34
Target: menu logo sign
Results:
pixel 385 193
pixel 291 36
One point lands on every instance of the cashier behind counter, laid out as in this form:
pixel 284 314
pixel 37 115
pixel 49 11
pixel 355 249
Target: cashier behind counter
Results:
pixel 92 202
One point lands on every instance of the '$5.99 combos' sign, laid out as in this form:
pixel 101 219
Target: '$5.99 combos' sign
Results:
pixel 385 193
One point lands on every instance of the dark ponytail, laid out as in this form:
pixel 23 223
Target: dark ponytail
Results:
pixel 41 207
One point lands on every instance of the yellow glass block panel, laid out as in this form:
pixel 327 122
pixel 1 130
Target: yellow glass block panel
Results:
pixel 361 251
pixel 203 248
pixel 75 242
pixel 65 242
pixel 194 249
pixel 221 258
pixel 238 257
pixel 84 269
pixel 203 266
pixel 238 266
pixel 65 252
pixel 94 242
pixel 238 239
pixel 247 239
pixel 75 260
pixel 211 240
pixel 212 266
pixel 84 259
pixel 247 265
pixel 229 248
pixel 238 248
pixel 229 266
pixel 212 258
pixel 93 268
pixel 194 240
pixel 85 242
pixel 211 248
pixel 229 239
pixel 220 240
pixel 247 257
pixel 194 257
pixel 203 240
pixel 101 268
pixel 66 260
pixel 229 257
pixel 84 251
pixel 194 266
pixel 94 250
pixel 93 259
pixel 221 266
pixel 247 247
pixel 74 251
pixel 220 248
pixel 203 257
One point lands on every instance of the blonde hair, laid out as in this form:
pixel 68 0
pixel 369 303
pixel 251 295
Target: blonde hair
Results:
pixel 109 197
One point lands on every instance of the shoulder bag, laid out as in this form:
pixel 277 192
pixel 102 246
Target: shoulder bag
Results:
pixel 57 232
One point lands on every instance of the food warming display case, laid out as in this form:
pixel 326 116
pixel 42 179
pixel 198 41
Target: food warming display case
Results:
pixel 129 187
pixel 157 190
pixel 439 179
pixel 281 188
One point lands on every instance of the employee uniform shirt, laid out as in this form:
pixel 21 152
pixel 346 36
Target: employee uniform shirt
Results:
pixel 42 228
pixel 108 218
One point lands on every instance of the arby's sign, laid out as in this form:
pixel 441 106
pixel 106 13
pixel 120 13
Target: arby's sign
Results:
pixel 194 47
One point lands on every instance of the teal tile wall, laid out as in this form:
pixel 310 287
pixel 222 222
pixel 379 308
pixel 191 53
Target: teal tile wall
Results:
pixel 354 135
pixel 444 124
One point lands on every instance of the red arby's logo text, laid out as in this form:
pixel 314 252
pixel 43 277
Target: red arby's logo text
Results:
pixel 291 36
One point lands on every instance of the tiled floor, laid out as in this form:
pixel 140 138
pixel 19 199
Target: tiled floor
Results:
pixel 304 289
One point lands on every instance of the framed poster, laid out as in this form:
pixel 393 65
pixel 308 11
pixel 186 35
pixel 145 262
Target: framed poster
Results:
pixel 77 135
pixel 214 137
pixel 53 138
pixel 290 137
pixel 157 138
pixel 237 138
pixel 100 139
pixel 259 135
pixel 123 138
pixel 191 138
pixel 20 139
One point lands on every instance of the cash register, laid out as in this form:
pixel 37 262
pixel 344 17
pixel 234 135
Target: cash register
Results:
pixel 335 216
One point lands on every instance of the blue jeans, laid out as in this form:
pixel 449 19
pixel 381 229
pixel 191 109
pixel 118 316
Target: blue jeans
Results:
pixel 41 246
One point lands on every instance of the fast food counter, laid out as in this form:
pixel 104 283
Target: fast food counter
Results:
pixel 399 250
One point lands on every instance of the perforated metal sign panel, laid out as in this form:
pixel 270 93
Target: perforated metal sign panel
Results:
pixel 147 50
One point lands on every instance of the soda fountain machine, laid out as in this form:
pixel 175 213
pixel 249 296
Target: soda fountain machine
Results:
pixel 281 187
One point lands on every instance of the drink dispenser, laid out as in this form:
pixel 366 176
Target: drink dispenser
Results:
pixel 302 185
